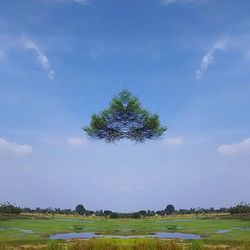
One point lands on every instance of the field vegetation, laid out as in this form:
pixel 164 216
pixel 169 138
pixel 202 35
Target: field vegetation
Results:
pixel 30 229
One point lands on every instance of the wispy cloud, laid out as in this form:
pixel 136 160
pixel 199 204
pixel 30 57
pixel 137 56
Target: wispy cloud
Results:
pixel 209 57
pixel 42 59
pixel 235 148
pixel 82 2
pixel 2 54
pixel 14 148
pixel 168 2
pixel 10 43
pixel 74 141
pixel 247 54
pixel 174 141
pixel 7 42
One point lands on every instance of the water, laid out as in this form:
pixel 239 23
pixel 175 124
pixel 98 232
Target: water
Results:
pixel 223 231
pixel 184 220
pixel 67 236
pixel 76 220
pixel 177 236
pixel 243 228
pixel 26 231
pixel 171 221
pixel 159 235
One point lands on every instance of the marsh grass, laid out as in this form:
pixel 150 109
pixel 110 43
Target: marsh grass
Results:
pixel 246 246
pixel 3 246
pixel 118 244
pixel 195 245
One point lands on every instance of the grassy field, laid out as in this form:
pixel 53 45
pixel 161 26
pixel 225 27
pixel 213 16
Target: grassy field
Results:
pixel 34 229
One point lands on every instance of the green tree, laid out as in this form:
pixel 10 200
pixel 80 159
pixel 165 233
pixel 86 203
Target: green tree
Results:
pixel 242 208
pixel 80 209
pixel 9 208
pixel 170 209
pixel 125 119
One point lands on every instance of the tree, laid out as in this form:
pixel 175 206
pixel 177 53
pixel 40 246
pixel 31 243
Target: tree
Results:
pixel 107 213
pixel 9 208
pixel 241 208
pixel 125 119
pixel 170 209
pixel 80 209
pixel 142 213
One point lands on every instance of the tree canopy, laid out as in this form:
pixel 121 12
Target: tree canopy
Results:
pixel 125 119
pixel 169 209
pixel 80 209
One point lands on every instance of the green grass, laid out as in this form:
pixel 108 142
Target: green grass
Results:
pixel 42 226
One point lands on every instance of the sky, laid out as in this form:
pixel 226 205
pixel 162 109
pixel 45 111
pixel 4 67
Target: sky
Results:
pixel 62 60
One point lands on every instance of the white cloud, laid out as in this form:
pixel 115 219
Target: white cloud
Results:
pixel 82 2
pixel 235 148
pixel 9 147
pixel 2 54
pixel 247 54
pixel 174 141
pixel 74 141
pixel 11 42
pixel 168 2
pixel 209 57
pixel 6 43
pixel 42 59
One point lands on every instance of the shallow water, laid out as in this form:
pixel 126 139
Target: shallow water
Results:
pixel 177 236
pixel 223 231
pixel 27 231
pixel 159 235
pixel 243 228
pixel 179 220
pixel 72 236
pixel 76 220
pixel 184 220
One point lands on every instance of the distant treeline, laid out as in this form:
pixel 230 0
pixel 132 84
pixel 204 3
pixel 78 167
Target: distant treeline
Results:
pixel 241 208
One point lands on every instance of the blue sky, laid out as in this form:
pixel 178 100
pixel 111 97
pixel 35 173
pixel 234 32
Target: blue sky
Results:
pixel 62 60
